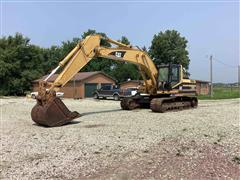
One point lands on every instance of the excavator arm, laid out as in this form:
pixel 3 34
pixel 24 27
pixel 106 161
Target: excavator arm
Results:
pixel 51 111
pixel 90 48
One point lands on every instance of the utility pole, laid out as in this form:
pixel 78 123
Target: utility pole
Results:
pixel 238 76
pixel 211 78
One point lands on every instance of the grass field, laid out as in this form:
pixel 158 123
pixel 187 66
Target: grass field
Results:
pixel 223 93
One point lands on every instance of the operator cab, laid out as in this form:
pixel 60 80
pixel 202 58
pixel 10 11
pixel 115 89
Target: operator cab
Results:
pixel 168 76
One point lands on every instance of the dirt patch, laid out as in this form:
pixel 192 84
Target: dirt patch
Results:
pixel 176 159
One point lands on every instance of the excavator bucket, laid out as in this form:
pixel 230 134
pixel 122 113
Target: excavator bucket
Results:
pixel 52 113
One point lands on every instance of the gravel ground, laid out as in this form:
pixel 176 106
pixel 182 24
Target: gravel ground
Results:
pixel 109 143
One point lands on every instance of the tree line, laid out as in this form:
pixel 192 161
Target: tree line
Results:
pixel 22 62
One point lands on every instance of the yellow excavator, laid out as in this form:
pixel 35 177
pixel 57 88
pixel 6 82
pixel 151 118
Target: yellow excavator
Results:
pixel 165 87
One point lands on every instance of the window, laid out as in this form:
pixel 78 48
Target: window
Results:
pixel 163 74
pixel 106 88
pixel 168 76
pixel 175 74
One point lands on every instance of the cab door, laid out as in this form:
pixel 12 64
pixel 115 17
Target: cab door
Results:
pixel 168 76
pixel 175 71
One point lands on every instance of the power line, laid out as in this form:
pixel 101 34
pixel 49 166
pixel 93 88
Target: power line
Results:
pixel 223 63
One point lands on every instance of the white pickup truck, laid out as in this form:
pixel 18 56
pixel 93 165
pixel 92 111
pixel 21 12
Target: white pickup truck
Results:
pixel 58 94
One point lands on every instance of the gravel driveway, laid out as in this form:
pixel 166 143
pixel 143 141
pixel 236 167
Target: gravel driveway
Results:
pixel 109 143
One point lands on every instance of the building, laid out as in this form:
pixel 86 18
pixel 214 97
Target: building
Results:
pixel 82 85
pixel 130 84
pixel 202 87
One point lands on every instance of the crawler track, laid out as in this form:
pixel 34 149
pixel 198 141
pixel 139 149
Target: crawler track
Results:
pixel 172 103
pixel 161 104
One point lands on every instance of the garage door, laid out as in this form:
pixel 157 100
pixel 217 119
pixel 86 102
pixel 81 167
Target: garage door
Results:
pixel 89 89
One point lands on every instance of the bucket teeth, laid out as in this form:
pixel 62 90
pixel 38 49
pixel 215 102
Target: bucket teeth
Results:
pixel 53 113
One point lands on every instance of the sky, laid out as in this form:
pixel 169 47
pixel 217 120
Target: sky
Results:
pixel 211 27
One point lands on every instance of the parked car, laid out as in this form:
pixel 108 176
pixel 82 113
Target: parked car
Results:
pixel 114 92
pixel 58 94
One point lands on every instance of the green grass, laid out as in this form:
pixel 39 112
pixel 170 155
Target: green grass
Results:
pixel 223 93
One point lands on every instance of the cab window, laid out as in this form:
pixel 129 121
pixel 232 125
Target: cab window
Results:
pixel 163 74
pixel 175 74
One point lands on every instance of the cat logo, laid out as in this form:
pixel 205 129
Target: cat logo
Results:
pixel 118 54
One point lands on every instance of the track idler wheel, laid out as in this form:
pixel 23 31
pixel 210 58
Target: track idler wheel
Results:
pixel 129 104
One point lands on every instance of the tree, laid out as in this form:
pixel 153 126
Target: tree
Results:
pixel 144 49
pixel 98 63
pixel 55 54
pixel 124 40
pixel 20 64
pixel 92 32
pixel 118 70
pixel 125 71
pixel 67 46
pixel 122 71
pixel 169 47
pixel 52 56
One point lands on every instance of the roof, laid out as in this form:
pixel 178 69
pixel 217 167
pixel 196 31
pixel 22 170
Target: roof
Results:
pixel 133 81
pixel 141 81
pixel 201 81
pixel 78 77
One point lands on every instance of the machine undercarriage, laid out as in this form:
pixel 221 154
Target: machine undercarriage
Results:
pixel 159 103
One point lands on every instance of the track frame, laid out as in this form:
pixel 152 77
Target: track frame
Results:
pixel 159 103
